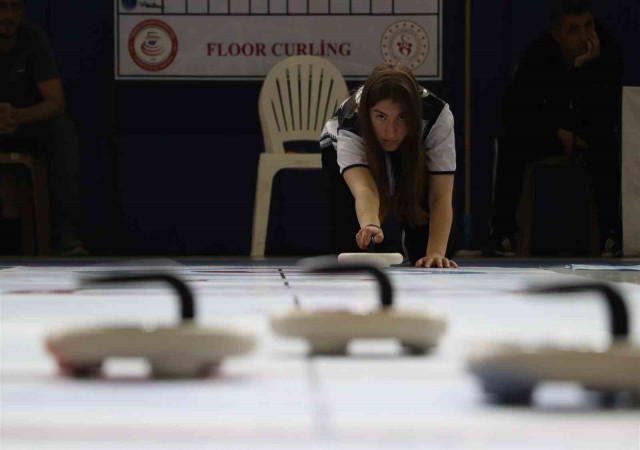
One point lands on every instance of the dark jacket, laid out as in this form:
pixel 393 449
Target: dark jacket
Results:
pixel 544 95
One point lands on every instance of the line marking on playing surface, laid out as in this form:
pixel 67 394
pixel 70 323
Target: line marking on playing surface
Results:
pixel 319 400
pixel 296 301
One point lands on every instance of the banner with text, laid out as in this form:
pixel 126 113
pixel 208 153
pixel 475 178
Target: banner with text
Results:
pixel 243 39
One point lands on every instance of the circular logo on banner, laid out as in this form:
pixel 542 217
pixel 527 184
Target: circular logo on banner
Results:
pixel 405 42
pixel 153 45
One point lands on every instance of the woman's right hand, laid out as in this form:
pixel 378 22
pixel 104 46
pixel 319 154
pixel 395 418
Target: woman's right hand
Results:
pixel 363 237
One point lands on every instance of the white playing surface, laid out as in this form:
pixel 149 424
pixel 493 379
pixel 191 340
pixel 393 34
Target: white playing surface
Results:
pixel 277 398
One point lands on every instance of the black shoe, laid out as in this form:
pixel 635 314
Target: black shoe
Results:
pixel 612 247
pixel 504 246
pixel 71 246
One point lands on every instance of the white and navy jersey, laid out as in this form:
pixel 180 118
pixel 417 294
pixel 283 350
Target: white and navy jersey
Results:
pixel 342 131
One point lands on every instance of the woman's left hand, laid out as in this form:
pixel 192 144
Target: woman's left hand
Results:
pixel 436 260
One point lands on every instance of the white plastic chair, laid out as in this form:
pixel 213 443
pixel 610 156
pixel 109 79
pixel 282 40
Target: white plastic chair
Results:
pixel 298 96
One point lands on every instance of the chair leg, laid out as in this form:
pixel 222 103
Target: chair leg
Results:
pixel 16 204
pixel 7 195
pixel 524 215
pixel 24 194
pixel 266 172
pixel 41 209
pixel 594 229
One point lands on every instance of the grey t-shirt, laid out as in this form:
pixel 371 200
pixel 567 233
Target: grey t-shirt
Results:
pixel 29 62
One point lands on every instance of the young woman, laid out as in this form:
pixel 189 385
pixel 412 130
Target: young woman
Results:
pixel 390 151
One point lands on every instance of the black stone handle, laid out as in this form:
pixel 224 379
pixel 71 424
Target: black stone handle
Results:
pixel 187 303
pixel 330 266
pixel 617 308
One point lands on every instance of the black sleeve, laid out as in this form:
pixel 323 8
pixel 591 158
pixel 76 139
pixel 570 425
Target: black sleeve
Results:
pixel 527 114
pixel 45 67
pixel 600 94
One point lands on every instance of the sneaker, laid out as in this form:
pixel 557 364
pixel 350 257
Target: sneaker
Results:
pixel 502 247
pixel 612 248
pixel 71 246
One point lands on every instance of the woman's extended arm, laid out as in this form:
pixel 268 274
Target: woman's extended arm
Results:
pixel 441 217
pixel 365 192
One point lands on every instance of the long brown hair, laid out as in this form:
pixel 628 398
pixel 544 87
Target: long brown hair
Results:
pixel 395 82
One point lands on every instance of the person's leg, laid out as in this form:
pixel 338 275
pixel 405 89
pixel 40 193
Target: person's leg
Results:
pixel 343 222
pixel 604 168
pixel 57 140
pixel 415 242
pixel 510 169
pixel 514 156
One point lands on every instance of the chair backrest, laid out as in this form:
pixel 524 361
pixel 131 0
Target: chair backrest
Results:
pixel 298 96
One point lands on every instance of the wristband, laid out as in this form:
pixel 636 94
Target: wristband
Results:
pixel 373 225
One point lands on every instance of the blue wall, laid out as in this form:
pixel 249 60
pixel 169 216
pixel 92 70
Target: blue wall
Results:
pixel 170 168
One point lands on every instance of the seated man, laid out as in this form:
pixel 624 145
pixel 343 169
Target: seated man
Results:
pixel 564 99
pixel 32 118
